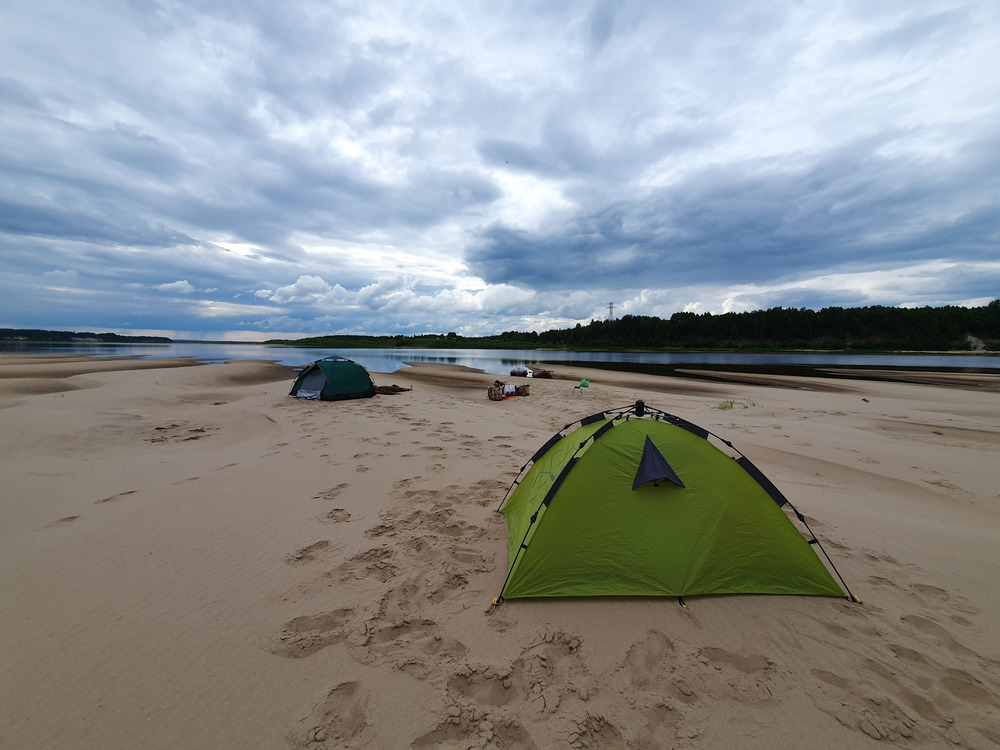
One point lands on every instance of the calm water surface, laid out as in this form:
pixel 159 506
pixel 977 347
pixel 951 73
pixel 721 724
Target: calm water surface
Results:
pixel 501 361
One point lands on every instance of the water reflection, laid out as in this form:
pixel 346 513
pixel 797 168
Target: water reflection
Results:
pixel 502 361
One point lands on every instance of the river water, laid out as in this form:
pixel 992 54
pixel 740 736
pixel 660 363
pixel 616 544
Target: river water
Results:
pixel 501 361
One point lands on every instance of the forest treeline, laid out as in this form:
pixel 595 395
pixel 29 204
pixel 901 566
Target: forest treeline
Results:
pixel 875 328
pixel 31 335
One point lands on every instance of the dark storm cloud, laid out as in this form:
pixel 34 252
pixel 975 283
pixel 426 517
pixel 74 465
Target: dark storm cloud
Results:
pixel 565 153
pixel 757 222
pixel 55 221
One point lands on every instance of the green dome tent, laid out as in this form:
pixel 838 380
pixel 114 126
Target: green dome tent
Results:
pixel 642 504
pixel 333 379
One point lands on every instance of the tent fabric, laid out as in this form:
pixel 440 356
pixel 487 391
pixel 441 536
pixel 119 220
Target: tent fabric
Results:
pixel 582 524
pixel 333 379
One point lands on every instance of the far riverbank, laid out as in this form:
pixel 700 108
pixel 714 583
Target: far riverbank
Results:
pixel 501 361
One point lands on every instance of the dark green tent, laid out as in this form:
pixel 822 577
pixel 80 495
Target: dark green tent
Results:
pixel 333 379
pixel 641 503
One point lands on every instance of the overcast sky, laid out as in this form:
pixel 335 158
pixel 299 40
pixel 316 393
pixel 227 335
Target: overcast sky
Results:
pixel 250 169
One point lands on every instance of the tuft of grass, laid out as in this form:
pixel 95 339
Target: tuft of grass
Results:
pixel 726 405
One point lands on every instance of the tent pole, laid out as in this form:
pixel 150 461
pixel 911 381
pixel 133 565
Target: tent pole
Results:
pixel 850 596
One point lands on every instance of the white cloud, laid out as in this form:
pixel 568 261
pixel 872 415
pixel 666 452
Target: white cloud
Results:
pixel 310 289
pixel 178 287
pixel 212 309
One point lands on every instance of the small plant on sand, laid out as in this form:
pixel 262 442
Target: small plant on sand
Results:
pixel 726 405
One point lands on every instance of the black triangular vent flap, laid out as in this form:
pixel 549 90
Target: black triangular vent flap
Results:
pixel 654 467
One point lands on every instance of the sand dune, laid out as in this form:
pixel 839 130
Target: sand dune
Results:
pixel 193 559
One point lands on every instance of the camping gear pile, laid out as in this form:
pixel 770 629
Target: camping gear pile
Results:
pixel 333 379
pixel 499 391
pixel 642 503
pixel 521 371
pixel 391 390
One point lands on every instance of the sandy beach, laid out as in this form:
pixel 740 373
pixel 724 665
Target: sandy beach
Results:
pixel 192 559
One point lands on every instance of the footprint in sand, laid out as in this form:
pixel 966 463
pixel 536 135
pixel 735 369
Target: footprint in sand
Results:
pixel 339 720
pixel 374 563
pixel 486 702
pixel 440 519
pixel 963 686
pixel 417 646
pixel 488 491
pixel 597 733
pixel 654 665
pixel 747 664
pixel 884 720
pixel 917 693
pixel 484 684
pixel 451 583
pixel 550 669
pixel 469 726
pixel 113 498
pixel 308 634
pixel 473 559
pixel 748 678
pixel 645 661
pixel 333 492
pixel 62 522
pixel 938 634
pixel 472 448
pixel 308 553
pixel 176 433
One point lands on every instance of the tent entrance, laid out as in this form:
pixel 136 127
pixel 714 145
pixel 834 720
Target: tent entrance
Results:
pixel 312 385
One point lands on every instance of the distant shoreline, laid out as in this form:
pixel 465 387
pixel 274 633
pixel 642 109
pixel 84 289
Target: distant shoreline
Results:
pixel 126 340
pixel 651 350
pixel 18 337
pixel 39 336
pixel 684 377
